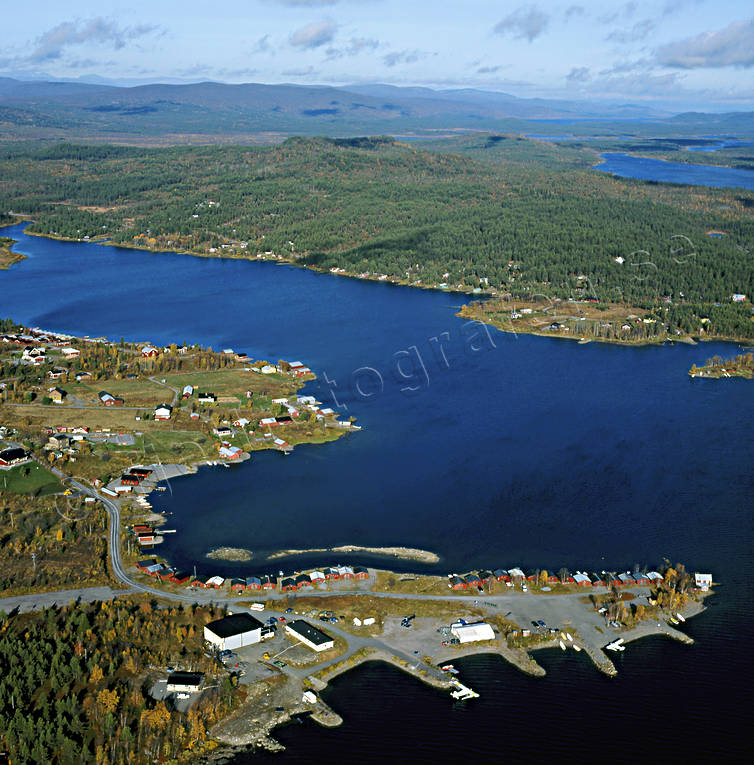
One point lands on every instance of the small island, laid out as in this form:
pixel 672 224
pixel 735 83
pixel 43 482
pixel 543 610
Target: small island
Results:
pixel 717 367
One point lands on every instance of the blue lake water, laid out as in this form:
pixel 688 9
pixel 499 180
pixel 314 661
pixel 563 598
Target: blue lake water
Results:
pixel 645 169
pixel 487 448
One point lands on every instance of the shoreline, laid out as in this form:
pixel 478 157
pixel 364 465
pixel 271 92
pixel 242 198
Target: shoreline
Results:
pixel 470 292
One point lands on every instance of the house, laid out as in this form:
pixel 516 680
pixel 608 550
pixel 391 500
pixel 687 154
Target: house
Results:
pixel 163 412
pixel 317 577
pixel 230 452
pixel 360 572
pixel 626 579
pixel 303 580
pixel 501 575
pixel 640 578
pixel 215 581
pixel 268 583
pixel 472 580
pixel 597 580
pixel 566 577
pixel 253 583
pixel 346 572
pixel 199 581
pixel 206 398
pixel 14 455
pixel 56 373
pixel 456 583
pixel 516 575
pixel 582 580
pixel 737 297
pixel 82 376
pixel 655 576
pixel 484 576
pixel 284 420
pixel 70 353
pixel 149 351
pixel 194 415
pixel 184 682
pixel 267 422
pixel 308 635
pixel 241 422
pixel 233 631
pixel 142 472
pixel 57 395
pixel 471 633
pixel 268 370
pixel 130 480
pixel 222 431
pixel 180 577
pixel 236 585
pixel 703 581
pixel 143 565
pixel 188 391
pixel 288 585
pixel 301 371
pixel 332 574
pixel 109 400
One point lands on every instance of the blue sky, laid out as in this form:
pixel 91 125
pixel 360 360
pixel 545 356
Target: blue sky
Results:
pixel 684 53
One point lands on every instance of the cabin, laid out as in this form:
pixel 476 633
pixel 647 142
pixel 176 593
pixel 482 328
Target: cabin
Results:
pixel 230 452
pixel 288 585
pixel 303 580
pixel 241 422
pixel 566 577
pixel 472 580
pixel 626 579
pixel 456 583
pixel 215 581
pixel 346 572
pixel 70 353
pixel 142 472
pixel 552 578
pixel 180 577
pixel 332 574
pixel 184 682
pixel 283 420
pixel 142 565
pixel 532 575
pixel 597 580
pixel 165 574
pixel 703 581
pixel 484 576
pixel 236 585
pixel 640 578
pixel 317 577
pixel 56 373
pixel 83 376
pixel 582 580
pixel 57 395
pixel 188 391
pixel 253 583
pixel 206 398
pixel 128 479
pixel 268 583
pixel 360 572
pixel 149 351
pixel 501 575
pixel 267 422
pixel 222 431
pixel 163 412
pixel 516 575
pixel 655 577
pixel 199 582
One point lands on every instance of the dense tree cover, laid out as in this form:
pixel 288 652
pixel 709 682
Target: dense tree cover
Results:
pixel 74 683
pixel 505 213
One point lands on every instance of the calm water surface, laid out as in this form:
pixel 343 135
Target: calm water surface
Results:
pixel 489 449
pixel 645 169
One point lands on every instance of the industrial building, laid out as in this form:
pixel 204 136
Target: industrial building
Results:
pixel 471 633
pixel 233 631
pixel 309 636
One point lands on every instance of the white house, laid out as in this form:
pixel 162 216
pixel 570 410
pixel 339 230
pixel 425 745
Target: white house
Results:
pixel 70 353
pixel 163 412
pixel 703 581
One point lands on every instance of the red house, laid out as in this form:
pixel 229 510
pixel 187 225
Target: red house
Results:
pixel 457 583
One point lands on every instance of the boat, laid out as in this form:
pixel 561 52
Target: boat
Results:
pixel 672 620
pixel 576 648
pixel 562 645
pixel 680 617
pixel 568 635
pixel 562 635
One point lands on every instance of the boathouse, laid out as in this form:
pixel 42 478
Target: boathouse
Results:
pixel 288 585
pixel 456 583
pixel 360 572
pixel 471 633
pixel 303 580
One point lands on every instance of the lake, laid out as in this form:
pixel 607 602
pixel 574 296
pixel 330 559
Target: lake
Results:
pixel 490 449
pixel 628 166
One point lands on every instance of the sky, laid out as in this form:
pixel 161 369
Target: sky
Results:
pixel 687 54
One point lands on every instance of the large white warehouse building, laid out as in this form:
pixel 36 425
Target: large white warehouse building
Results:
pixel 234 631
pixel 470 633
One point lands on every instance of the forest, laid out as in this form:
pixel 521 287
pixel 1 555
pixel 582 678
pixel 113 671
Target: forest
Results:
pixel 500 214
pixel 74 683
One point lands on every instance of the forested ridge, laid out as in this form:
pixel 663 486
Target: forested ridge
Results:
pixel 504 214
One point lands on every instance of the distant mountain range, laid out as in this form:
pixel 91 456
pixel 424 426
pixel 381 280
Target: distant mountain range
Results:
pixel 215 111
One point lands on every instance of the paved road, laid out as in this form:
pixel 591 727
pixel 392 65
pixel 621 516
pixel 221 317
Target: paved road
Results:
pixel 60 598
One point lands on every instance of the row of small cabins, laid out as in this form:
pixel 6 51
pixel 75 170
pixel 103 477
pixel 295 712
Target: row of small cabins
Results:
pixel 579 578
pixel 265 582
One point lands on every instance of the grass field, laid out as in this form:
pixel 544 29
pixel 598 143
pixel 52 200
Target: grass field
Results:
pixel 29 479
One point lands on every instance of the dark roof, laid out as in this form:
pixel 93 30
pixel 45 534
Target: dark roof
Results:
pixel 236 580
pixel 185 678
pixel 234 624
pixel 287 583
pixel 303 578
pixel 13 453
pixel 360 570
pixel 312 634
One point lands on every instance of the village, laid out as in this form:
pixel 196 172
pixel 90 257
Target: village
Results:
pixel 98 403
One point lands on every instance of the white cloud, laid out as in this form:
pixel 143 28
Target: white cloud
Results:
pixel 732 46
pixel 524 23
pixel 51 45
pixel 314 35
